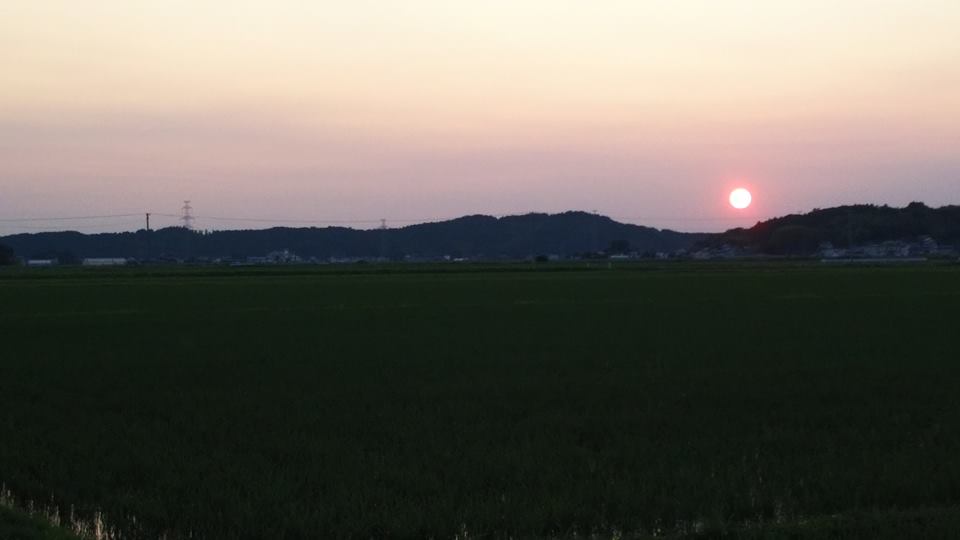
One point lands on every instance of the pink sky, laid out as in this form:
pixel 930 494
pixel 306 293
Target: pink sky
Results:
pixel 650 112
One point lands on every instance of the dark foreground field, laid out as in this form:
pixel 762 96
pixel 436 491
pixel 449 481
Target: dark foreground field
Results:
pixel 763 401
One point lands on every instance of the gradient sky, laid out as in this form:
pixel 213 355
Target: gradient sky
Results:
pixel 648 111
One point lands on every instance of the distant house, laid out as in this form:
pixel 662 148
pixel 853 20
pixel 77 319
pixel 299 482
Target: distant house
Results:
pixel 929 245
pixel 284 257
pixel 828 251
pixel 41 263
pixel 105 261
pixel 725 251
pixel 276 257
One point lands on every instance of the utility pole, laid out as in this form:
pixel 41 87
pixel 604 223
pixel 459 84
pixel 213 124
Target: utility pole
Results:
pixel 849 229
pixel 596 234
pixel 149 252
pixel 383 239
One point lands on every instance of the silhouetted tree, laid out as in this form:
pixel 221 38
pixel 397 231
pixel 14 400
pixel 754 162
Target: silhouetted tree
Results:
pixel 7 256
pixel 794 239
pixel 618 247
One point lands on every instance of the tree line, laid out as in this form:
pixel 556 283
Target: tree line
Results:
pixel 845 227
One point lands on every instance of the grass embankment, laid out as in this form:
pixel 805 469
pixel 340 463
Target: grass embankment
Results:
pixel 18 526
pixel 760 400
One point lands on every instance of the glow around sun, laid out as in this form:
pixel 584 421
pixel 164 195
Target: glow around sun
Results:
pixel 740 198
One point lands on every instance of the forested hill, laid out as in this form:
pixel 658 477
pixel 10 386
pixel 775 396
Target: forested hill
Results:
pixel 844 227
pixel 473 236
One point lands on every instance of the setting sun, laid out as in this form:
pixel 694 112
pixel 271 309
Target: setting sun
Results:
pixel 740 198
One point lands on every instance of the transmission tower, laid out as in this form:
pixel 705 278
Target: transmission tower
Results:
pixel 187 217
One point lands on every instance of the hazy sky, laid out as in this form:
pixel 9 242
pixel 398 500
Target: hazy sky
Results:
pixel 648 111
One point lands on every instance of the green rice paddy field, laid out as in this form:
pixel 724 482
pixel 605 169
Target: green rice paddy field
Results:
pixel 741 401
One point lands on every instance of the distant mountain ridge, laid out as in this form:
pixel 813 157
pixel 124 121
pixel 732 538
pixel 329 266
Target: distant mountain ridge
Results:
pixel 512 237
pixel 844 227
pixel 478 236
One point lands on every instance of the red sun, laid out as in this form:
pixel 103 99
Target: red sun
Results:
pixel 740 198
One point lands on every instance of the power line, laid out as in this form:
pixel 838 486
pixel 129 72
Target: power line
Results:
pixel 187 218
pixel 266 220
pixel 325 221
pixel 48 228
pixel 71 218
